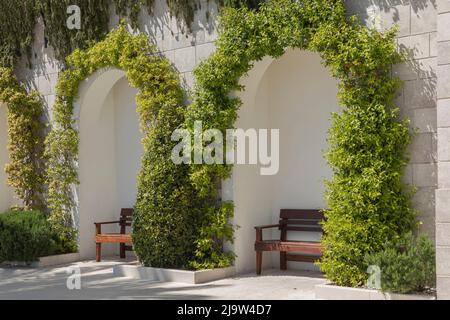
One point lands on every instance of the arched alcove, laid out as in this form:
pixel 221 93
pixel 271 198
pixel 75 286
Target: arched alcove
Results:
pixel 6 192
pixel 109 153
pixel 295 94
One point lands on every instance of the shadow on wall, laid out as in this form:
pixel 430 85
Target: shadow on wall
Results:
pixel 166 32
pixel 360 7
pixel 164 29
pixel 109 153
pixel 419 80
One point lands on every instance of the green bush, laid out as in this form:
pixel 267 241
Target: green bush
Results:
pixel 25 236
pixel 407 265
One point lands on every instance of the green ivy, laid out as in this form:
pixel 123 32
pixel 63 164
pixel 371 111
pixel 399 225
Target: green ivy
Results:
pixel 165 212
pixel 367 202
pixel 25 140
pixel 94 24
pixel 16 30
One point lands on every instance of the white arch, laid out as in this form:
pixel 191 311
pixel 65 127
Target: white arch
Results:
pixel 109 153
pixel 295 94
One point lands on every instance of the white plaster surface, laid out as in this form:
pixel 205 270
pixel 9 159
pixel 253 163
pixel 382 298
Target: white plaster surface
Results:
pixel 296 95
pixel 110 151
pixel 6 192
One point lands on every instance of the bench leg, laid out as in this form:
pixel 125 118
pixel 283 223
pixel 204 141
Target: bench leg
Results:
pixel 283 261
pixel 258 262
pixel 98 252
pixel 122 250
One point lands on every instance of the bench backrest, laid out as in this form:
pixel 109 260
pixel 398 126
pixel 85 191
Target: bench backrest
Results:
pixel 300 220
pixel 126 217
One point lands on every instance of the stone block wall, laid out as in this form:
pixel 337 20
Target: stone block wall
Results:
pixel 443 151
pixel 417 25
pixel 184 49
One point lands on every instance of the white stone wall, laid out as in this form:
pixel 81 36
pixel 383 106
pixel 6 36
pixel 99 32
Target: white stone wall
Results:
pixel 443 123
pixel 423 30
pixel 416 20
pixel 6 193
pixel 296 95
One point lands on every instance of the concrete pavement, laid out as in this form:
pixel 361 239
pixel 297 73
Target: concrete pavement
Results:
pixel 97 282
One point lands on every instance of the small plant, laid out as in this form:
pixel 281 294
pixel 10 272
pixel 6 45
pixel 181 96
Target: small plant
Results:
pixel 407 265
pixel 26 236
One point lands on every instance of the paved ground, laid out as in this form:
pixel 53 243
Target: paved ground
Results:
pixel 97 282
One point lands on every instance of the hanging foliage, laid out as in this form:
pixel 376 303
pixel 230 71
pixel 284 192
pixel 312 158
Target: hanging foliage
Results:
pixel 94 24
pixel 25 140
pixel 16 30
pixel 19 19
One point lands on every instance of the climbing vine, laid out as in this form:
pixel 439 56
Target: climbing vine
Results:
pixel 16 30
pixel 16 38
pixel 367 202
pixel 165 212
pixel 25 140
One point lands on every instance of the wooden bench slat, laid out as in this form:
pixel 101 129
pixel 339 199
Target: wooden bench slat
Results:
pixel 305 228
pixel 302 258
pixel 300 213
pixel 305 247
pixel 113 238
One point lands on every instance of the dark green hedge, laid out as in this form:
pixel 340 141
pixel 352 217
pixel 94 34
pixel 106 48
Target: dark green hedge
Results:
pixel 26 236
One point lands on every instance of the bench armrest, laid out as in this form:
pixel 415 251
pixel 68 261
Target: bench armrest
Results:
pixel 98 226
pixel 267 226
pixel 259 230
pixel 107 222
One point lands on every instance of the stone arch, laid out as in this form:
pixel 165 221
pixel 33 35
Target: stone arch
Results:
pixel 85 93
pixel 282 94
pixel 109 152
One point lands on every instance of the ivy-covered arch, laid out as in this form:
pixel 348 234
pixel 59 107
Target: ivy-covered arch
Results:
pixel 367 202
pixel 164 221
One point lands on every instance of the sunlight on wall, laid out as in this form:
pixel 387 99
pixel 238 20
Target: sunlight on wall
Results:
pixel 295 94
pixel 110 151
pixel 6 193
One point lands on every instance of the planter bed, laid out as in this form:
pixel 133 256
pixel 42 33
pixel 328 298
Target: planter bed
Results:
pixel 172 275
pixel 332 292
pixel 45 261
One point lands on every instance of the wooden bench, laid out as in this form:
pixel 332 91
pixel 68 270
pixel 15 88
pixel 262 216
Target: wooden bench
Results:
pixel 122 238
pixel 291 220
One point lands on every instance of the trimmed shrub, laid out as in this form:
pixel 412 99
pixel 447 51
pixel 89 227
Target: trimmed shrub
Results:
pixel 25 236
pixel 407 265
